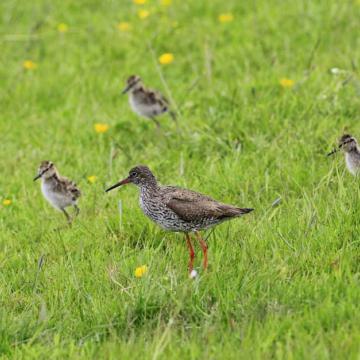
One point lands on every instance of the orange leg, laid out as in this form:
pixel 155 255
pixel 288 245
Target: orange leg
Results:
pixel 191 252
pixel 204 249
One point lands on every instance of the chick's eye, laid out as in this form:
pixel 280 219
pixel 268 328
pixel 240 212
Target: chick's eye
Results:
pixel 133 173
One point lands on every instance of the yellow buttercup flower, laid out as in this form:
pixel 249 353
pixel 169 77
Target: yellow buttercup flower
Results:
pixel 123 26
pixel 91 179
pixel 287 83
pixel 166 59
pixel 29 65
pixel 101 128
pixel 143 14
pixel 139 2
pixel 225 18
pixel 62 28
pixel 141 271
pixel 7 202
pixel 165 2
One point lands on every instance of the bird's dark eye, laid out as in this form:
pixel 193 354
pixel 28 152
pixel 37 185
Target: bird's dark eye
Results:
pixel 133 173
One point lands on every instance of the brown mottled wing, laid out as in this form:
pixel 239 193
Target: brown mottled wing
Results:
pixel 166 105
pixel 66 185
pixel 192 206
pixel 72 187
pixel 155 97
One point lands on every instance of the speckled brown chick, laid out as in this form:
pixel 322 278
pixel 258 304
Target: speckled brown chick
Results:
pixel 146 102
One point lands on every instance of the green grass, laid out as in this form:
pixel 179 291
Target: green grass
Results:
pixel 283 282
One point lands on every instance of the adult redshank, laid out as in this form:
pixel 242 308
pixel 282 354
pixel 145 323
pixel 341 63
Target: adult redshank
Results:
pixel 179 210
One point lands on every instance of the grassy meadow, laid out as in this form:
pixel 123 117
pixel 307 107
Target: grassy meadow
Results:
pixel 263 90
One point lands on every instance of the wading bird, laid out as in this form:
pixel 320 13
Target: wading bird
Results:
pixel 179 210
pixel 349 145
pixel 146 102
pixel 59 191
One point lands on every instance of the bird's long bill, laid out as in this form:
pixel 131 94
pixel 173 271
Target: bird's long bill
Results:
pixel 333 152
pixel 122 182
pixel 337 149
pixel 126 89
pixel 42 173
pixel 340 146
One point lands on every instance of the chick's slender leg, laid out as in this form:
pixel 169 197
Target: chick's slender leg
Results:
pixel 77 210
pixel 68 218
pixel 156 122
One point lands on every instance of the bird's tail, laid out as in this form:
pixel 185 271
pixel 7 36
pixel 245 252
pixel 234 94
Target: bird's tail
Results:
pixel 228 211
pixel 243 211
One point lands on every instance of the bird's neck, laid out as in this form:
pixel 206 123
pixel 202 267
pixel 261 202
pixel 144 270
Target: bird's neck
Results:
pixel 149 188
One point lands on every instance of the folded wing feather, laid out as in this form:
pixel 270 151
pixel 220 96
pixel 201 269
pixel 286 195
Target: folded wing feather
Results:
pixel 191 206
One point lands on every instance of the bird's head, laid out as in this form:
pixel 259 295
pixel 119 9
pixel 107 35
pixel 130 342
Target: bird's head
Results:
pixel 133 83
pixel 139 175
pixel 46 170
pixel 347 143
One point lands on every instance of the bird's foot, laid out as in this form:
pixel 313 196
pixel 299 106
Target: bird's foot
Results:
pixel 193 274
